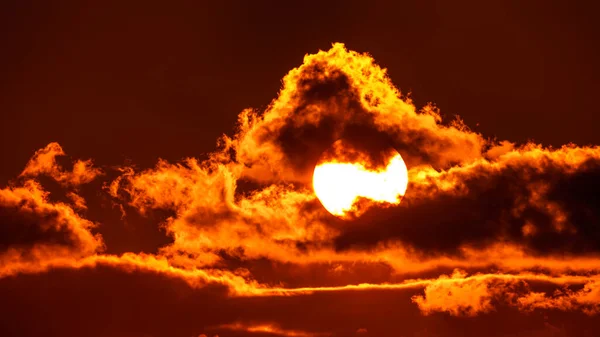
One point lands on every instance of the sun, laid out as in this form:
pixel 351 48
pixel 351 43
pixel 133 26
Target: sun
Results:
pixel 341 184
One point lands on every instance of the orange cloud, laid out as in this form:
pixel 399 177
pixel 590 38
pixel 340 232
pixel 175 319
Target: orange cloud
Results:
pixel 341 94
pixel 272 329
pixel 44 162
pixel 77 200
pixel 586 299
pixel 469 296
pixel 461 297
pixel 34 229
pixel 517 215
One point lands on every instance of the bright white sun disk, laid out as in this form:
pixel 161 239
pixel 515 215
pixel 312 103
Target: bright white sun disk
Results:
pixel 339 185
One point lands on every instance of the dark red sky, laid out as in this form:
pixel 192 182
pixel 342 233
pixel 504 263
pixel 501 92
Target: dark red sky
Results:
pixel 128 82
pixel 141 80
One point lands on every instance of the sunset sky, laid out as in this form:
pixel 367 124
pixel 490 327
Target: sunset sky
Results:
pixel 299 169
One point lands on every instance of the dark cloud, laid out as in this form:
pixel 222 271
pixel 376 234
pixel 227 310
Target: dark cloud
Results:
pixel 247 249
pixel 542 204
pixel 103 301
pixel 29 221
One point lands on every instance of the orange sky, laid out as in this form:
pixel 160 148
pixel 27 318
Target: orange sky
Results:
pixel 494 236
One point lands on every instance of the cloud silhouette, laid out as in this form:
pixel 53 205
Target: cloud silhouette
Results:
pixel 486 228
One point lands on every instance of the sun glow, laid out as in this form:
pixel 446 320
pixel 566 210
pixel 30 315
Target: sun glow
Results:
pixel 340 185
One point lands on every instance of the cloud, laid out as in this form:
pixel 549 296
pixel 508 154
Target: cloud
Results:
pixel 586 299
pixel 272 329
pixel 461 295
pixel 341 94
pixel 34 229
pixel 471 192
pixel 541 199
pixel 155 303
pixel 519 221
pixel 44 162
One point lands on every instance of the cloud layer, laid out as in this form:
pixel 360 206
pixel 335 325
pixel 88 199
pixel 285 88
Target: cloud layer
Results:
pixel 484 226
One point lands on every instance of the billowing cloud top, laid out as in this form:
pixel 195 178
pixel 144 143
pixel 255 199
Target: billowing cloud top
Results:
pixel 484 224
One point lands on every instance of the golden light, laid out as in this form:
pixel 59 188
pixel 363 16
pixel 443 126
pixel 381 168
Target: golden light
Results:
pixel 340 185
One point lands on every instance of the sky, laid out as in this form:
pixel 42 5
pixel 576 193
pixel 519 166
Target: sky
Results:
pixel 158 159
